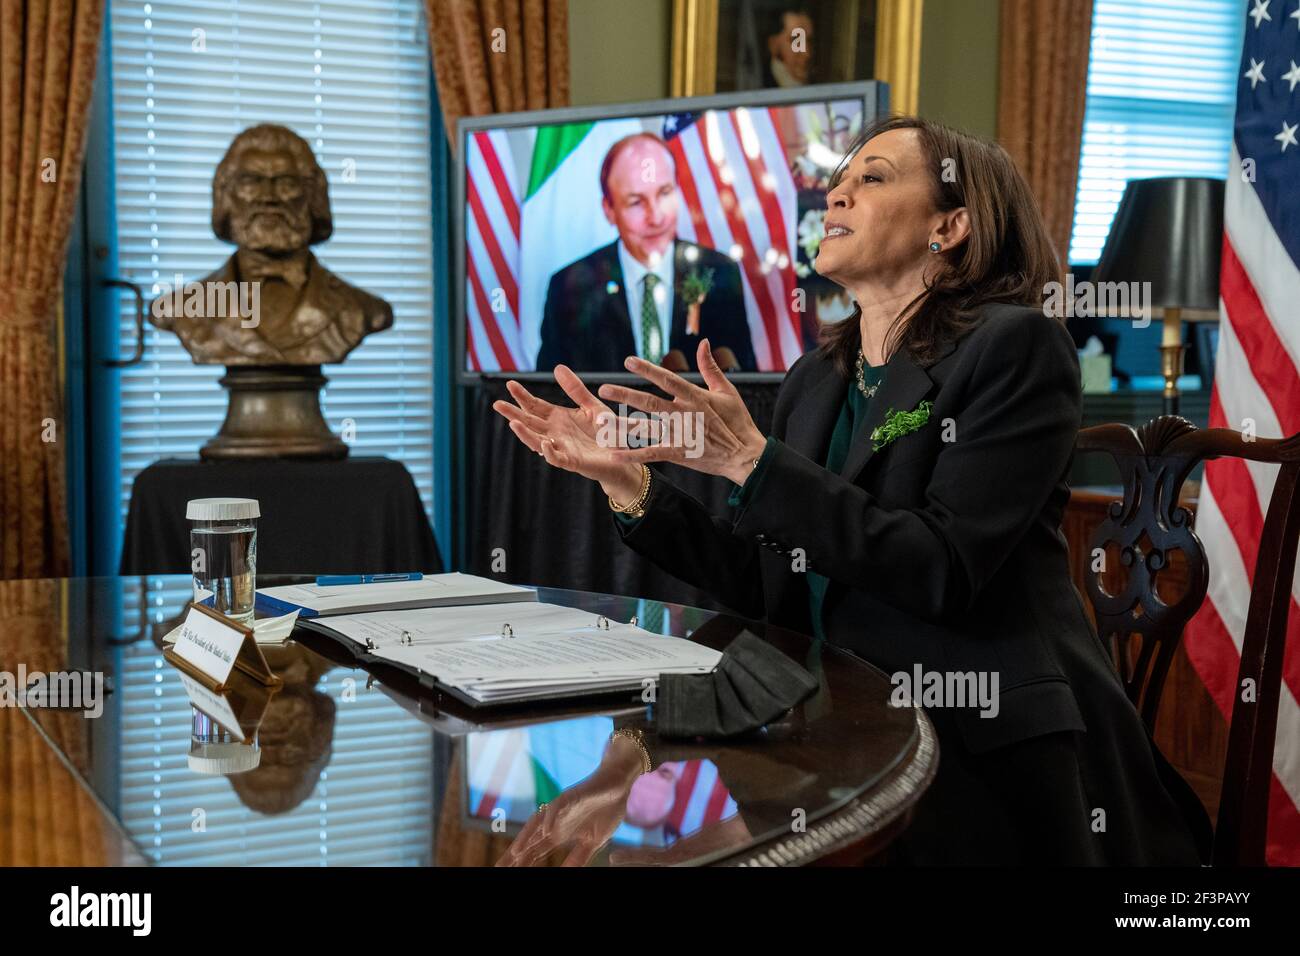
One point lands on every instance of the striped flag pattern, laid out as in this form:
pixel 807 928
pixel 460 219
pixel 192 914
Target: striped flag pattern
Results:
pixel 512 772
pixel 492 242
pixel 701 799
pixel 739 197
pixel 1256 386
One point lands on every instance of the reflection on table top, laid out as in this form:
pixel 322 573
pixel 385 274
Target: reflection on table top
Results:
pixel 348 767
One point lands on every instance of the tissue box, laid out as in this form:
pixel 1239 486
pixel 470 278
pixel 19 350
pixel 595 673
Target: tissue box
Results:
pixel 1095 372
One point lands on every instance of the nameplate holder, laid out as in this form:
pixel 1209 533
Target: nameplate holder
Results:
pixel 211 647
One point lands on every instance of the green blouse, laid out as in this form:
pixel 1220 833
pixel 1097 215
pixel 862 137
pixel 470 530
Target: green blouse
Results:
pixel 853 415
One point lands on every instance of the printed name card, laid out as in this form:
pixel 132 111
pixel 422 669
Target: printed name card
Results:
pixel 210 647
pixel 238 709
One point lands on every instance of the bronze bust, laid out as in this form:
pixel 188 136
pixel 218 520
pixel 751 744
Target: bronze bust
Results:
pixel 270 198
pixel 273 314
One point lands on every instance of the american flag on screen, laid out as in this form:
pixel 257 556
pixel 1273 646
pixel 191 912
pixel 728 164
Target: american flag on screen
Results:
pixel 701 799
pixel 514 774
pixel 492 242
pixel 1257 378
pixel 737 187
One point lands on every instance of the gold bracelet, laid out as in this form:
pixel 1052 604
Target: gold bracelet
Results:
pixel 637 737
pixel 637 506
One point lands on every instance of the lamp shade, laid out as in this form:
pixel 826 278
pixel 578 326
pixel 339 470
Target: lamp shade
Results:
pixel 1168 231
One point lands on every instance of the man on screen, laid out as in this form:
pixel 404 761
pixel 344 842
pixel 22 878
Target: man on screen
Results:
pixel 647 293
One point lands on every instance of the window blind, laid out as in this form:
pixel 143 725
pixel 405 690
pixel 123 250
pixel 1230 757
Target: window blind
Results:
pixel 371 803
pixel 1162 82
pixel 352 78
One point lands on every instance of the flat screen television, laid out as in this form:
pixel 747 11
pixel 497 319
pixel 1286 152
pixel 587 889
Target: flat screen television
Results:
pixel 587 234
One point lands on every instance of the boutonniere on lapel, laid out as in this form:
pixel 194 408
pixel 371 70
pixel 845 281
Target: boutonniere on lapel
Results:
pixel 898 424
pixel 695 287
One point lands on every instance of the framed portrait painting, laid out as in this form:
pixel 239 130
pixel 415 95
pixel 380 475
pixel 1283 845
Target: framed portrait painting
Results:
pixel 729 45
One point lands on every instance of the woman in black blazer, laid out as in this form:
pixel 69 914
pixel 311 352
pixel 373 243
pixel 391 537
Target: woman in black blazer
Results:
pixel 908 502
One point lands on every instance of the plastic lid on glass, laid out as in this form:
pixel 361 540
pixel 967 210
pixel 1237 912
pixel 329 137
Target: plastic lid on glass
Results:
pixel 223 758
pixel 221 509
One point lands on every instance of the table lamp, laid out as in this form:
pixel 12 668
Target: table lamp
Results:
pixel 1168 231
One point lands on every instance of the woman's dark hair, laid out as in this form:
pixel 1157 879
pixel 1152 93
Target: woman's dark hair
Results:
pixel 1007 257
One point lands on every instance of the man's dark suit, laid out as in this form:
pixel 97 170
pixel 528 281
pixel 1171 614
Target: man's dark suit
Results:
pixel 586 325
pixel 944 549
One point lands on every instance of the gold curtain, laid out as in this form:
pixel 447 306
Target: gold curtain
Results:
pixel 48 50
pixel 898 52
pixel 1041 91
pixel 498 56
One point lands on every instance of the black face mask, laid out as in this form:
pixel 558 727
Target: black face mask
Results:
pixel 752 686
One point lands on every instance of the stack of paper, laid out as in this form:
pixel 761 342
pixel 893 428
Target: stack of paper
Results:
pixel 434 590
pixel 521 651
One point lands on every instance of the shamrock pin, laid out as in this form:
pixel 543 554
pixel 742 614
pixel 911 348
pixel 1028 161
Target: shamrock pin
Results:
pixel 898 424
pixel 695 287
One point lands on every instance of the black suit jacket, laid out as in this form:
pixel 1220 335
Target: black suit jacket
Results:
pixel 586 326
pixel 943 550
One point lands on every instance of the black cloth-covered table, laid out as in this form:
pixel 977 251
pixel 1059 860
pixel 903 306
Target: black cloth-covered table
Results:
pixel 554 528
pixel 358 515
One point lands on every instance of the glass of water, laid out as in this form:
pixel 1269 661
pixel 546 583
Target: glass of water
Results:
pixel 223 554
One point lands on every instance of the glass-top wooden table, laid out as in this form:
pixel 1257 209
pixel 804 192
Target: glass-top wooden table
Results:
pixel 357 767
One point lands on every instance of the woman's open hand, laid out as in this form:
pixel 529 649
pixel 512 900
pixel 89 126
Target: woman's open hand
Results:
pixel 720 436
pixel 569 438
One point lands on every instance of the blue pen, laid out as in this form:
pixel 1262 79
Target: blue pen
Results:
pixel 330 580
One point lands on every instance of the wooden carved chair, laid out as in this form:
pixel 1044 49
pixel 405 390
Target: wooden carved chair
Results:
pixel 1143 532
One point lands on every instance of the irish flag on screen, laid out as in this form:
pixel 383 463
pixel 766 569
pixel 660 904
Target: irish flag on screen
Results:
pixel 562 219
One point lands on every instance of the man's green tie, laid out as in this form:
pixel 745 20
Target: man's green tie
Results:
pixel 652 346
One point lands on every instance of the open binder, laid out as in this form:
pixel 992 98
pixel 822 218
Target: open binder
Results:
pixel 511 654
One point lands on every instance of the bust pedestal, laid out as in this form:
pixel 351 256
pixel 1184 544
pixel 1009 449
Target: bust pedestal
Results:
pixel 274 412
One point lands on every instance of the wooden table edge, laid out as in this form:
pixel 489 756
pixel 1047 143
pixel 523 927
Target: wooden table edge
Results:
pixel 864 826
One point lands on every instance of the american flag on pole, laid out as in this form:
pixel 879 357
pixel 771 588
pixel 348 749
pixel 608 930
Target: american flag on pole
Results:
pixel 1256 382
pixel 739 197
pixel 492 234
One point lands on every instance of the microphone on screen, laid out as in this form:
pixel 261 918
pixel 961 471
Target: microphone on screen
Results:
pixel 726 359
pixel 675 360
